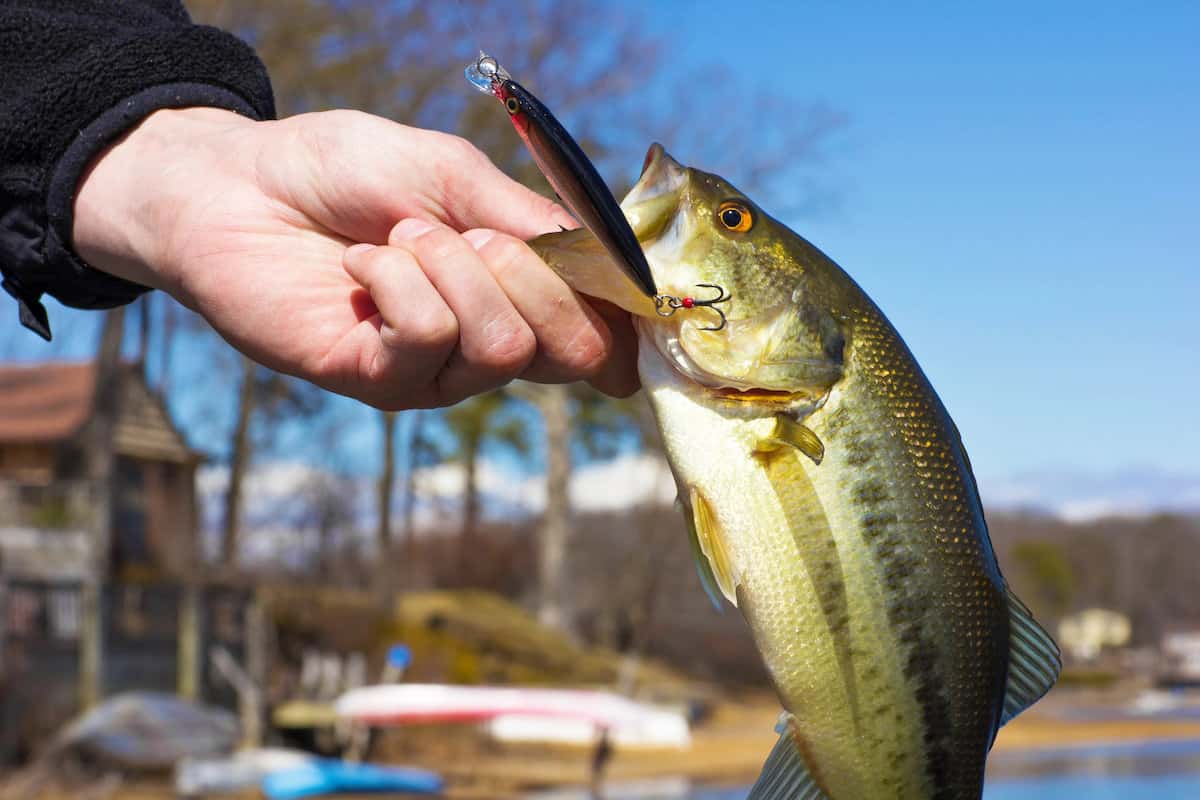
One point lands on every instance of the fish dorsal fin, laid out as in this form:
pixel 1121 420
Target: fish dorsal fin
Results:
pixel 703 569
pixel 712 546
pixel 1034 660
pixel 784 775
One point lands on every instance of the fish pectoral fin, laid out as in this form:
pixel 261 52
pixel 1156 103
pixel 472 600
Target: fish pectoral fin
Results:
pixel 784 774
pixel 706 530
pixel 1034 660
pixel 703 568
pixel 789 433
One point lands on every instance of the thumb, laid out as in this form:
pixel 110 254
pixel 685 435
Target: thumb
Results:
pixel 478 195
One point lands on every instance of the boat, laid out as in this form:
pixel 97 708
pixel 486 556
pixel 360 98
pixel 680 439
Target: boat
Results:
pixel 519 713
pixel 328 776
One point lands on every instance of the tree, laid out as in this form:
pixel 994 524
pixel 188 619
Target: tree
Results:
pixel 269 398
pixel 387 486
pixel 101 454
pixel 480 421
pixel 1046 568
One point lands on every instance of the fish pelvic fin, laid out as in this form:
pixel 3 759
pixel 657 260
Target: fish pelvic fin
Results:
pixel 1034 660
pixel 707 532
pixel 784 774
pixel 789 433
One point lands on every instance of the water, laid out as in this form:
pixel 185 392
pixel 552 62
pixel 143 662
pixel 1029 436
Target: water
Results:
pixel 1145 787
pixel 1128 787
pixel 1146 770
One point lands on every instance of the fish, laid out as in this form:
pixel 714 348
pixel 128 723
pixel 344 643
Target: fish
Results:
pixel 828 497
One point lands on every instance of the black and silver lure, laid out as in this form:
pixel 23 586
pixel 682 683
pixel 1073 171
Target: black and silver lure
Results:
pixel 567 168
pixel 575 179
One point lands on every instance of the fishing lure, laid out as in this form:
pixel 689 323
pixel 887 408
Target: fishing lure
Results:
pixel 578 184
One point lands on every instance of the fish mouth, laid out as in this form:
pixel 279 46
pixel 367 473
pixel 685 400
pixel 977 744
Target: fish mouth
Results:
pixel 654 199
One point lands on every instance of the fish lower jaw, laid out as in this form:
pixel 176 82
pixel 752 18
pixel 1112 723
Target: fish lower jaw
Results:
pixel 737 397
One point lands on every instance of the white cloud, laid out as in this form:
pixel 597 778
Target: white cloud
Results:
pixel 277 495
pixel 1082 497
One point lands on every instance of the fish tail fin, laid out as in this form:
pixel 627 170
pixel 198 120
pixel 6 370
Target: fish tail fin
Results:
pixel 784 774
pixel 1034 660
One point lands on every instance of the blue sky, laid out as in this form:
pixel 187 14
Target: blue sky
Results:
pixel 1018 191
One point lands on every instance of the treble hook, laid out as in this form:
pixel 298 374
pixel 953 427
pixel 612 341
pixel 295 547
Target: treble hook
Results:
pixel 666 305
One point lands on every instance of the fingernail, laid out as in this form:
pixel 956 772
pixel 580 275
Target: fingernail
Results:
pixel 355 252
pixel 411 228
pixel 479 237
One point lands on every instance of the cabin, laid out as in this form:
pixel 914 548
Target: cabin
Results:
pixel 45 426
pixel 157 616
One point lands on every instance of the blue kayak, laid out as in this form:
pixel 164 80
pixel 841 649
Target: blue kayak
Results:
pixel 327 776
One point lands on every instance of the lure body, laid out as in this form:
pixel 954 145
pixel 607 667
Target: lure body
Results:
pixel 568 169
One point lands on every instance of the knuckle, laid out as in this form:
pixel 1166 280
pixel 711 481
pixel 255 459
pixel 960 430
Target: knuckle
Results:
pixel 458 160
pixel 439 245
pixel 585 353
pixel 434 329
pixel 505 253
pixel 510 345
pixel 461 148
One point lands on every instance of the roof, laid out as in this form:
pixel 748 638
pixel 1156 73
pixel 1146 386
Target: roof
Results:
pixel 45 402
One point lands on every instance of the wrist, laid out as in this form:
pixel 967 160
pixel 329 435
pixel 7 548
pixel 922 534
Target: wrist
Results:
pixel 131 198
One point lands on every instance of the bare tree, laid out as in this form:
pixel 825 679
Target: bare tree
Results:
pixel 553 402
pixel 239 462
pixel 387 487
pixel 101 471
pixel 478 422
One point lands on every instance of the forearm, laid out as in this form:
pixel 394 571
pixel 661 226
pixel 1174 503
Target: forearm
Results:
pixel 72 82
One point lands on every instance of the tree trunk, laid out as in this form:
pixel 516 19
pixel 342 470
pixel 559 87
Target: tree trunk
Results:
pixel 143 333
pixel 238 461
pixel 387 485
pixel 408 526
pixel 555 529
pixel 470 516
pixel 101 457
pixel 168 327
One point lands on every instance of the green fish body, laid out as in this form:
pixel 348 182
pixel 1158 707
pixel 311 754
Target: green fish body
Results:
pixel 829 498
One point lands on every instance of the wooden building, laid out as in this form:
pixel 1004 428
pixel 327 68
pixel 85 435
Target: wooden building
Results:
pixel 45 420
pixel 154 616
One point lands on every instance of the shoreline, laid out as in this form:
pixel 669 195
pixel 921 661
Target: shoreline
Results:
pixel 727 750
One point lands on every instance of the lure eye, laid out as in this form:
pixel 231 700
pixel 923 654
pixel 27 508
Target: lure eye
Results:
pixel 512 105
pixel 735 216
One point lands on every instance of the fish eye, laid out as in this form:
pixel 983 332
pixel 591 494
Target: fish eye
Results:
pixel 735 216
pixel 512 105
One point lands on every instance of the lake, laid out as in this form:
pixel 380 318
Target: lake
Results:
pixel 1147 787
pixel 1142 770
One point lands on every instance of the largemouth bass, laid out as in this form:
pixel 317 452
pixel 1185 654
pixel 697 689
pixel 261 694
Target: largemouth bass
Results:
pixel 828 496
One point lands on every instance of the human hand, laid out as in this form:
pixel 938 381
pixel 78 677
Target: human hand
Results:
pixel 251 225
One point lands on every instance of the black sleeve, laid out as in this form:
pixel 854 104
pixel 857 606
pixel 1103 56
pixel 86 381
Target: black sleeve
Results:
pixel 74 75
